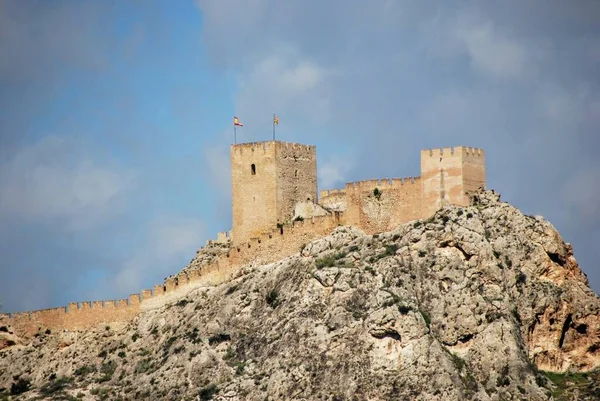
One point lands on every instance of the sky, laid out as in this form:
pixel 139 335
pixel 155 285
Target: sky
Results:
pixel 116 119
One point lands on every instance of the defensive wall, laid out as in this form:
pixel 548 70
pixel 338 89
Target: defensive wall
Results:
pixel 446 177
pixel 267 248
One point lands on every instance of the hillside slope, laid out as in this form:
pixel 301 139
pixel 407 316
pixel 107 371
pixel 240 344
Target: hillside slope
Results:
pixel 471 304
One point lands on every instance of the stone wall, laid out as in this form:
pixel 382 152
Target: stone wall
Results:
pixel 447 175
pixel 296 177
pixel 333 199
pixel 395 202
pixel 264 249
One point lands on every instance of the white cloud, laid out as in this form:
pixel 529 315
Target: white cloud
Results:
pixel 287 83
pixel 52 179
pixel 491 51
pixel 171 241
pixel 335 171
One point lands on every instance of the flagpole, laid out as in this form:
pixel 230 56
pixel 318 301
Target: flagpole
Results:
pixel 273 126
pixel 234 134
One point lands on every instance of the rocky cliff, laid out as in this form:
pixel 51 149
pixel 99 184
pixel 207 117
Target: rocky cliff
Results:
pixel 475 303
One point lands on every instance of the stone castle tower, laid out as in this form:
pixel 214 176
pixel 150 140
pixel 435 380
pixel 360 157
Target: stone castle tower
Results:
pixel 267 180
pixel 448 175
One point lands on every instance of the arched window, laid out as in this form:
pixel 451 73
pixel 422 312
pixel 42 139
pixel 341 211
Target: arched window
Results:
pixel 296 173
pixel 253 169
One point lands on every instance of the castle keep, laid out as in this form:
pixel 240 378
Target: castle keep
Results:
pixel 276 211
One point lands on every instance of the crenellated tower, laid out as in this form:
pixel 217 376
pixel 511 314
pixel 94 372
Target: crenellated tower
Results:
pixel 268 179
pixel 448 175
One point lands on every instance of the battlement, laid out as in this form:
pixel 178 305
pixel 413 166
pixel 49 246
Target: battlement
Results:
pixel 223 237
pixel 267 146
pixel 454 150
pixel 326 192
pixel 369 185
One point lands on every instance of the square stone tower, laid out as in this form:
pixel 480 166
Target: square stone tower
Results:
pixel 448 174
pixel 267 180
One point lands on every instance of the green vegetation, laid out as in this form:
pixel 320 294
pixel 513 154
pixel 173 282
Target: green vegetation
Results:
pixel 425 317
pixel 183 302
pixel 390 250
pixel 329 261
pixel 272 298
pixel 20 386
pixel 218 338
pixel 208 392
pixel 566 384
pixel 231 289
pixel 107 370
pixel 234 361
pixel 56 385
pixel 193 336
pixel 85 370
pixel 377 193
pixel 143 366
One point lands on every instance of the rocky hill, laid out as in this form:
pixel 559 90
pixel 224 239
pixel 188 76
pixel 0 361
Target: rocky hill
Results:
pixel 475 303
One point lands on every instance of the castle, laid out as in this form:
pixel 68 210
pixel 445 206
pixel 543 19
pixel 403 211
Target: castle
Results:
pixel 275 211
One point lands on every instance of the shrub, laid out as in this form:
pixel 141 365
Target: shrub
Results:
pixel 208 392
pixel 84 370
pixel 272 298
pixel 107 370
pixel 193 336
pixel 56 385
pixel 329 261
pixel 425 317
pixel 183 302
pixel 390 249
pixel 218 338
pixel 20 386
pixel 404 309
pixel 377 193
pixel 143 366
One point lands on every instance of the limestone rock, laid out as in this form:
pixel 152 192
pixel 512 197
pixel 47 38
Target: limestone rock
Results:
pixel 471 304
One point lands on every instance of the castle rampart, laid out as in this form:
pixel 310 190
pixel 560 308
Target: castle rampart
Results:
pixel 286 176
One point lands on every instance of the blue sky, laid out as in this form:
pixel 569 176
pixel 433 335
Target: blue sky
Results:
pixel 115 119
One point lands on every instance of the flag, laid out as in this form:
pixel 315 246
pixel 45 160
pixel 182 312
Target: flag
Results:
pixel 237 122
pixel 275 120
